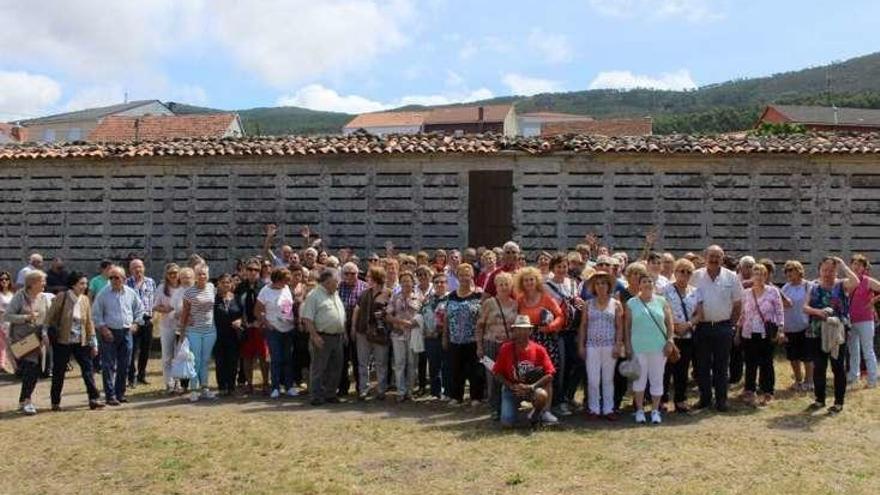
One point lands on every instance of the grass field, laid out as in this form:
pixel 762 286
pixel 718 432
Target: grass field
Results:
pixel 158 445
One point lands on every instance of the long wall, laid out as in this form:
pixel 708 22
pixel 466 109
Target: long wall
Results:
pixel 777 206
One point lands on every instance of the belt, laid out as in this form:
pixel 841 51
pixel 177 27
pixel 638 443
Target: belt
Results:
pixel 324 334
pixel 713 324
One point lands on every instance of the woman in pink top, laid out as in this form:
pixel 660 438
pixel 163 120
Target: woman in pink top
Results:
pixel 761 304
pixel 861 314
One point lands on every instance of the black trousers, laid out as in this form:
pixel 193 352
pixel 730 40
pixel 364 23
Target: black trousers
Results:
pixel 140 351
pixel 301 357
pixel 464 365
pixel 82 355
pixel 820 367
pixel 737 362
pixel 30 373
pixel 423 371
pixel 712 344
pixel 621 384
pixel 349 368
pixel 574 372
pixel 758 355
pixel 226 358
pixel 678 373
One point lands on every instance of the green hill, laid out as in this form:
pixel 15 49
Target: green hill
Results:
pixel 728 106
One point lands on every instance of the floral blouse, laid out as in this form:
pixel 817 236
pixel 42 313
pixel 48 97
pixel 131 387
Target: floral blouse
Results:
pixel 770 304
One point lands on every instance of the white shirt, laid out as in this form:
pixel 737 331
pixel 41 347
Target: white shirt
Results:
pixel 19 279
pixel 279 307
pixel 718 296
pixel 660 285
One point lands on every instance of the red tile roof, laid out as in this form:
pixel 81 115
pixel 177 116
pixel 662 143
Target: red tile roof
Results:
pixel 813 144
pixel 608 127
pixel 13 132
pixel 114 129
pixel 467 114
pixel 553 116
pixel 387 119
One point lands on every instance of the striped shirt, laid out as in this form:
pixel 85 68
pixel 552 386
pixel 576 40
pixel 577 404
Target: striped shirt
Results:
pixel 201 312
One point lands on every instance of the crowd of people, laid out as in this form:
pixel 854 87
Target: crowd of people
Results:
pixel 464 327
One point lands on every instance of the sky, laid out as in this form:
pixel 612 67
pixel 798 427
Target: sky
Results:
pixel 368 55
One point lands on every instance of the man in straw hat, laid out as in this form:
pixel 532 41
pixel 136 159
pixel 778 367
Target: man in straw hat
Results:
pixel 527 372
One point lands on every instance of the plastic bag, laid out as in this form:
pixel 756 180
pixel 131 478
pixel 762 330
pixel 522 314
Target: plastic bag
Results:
pixel 183 364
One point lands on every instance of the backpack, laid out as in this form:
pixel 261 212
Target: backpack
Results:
pixel 572 314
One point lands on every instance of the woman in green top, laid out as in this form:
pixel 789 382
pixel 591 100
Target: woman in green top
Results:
pixel 648 321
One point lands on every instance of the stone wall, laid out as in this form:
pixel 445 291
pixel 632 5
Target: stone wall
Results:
pixel 777 206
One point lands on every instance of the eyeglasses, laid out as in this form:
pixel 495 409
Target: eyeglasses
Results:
pixel 602 264
pixel 349 273
pixel 253 268
pixel 115 277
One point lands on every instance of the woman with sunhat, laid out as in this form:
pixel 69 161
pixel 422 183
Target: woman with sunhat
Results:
pixel 600 342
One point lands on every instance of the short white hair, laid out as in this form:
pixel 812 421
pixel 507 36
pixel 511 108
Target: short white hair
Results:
pixel 746 261
pixel 34 276
pixel 350 265
pixel 311 250
pixel 35 257
pixel 510 245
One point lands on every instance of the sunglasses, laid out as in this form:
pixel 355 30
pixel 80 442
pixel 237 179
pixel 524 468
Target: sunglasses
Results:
pixel 253 268
pixel 688 272
pixel 115 277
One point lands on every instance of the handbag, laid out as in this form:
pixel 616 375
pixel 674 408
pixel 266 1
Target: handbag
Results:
pixel 52 330
pixel 771 329
pixel 670 350
pixel 183 365
pixel 22 347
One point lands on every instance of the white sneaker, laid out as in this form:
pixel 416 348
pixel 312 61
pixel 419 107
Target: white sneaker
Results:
pixel 275 394
pixel 208 394
pixel 444 398
pixel 564 409
pixel 292 392
pixel 29 409
pixel 454 403
pixel 194 396
pixel 475 403
pixel 548 418
pixel 655 417
pixel 640 417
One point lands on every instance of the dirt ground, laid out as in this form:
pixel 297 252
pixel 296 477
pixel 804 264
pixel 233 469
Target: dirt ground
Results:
pixel 161 444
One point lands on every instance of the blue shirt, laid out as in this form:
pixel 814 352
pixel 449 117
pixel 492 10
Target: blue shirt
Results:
pixel 117 309
pixel 147 292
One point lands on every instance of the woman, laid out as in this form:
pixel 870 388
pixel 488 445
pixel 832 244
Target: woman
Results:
pixel 167 323
pixel 186 278
pixel 26 314
pixel 371 336
pixel 543 263
pixel 301 357
pixel 761 305
pixel 228 320
pixel 600 343
pixel 424 289
pixel 570 373
pixel 545 314
pixel 71 316
pixel 275 312
pixel 400 317
pixel 431 316
pixel 460 338
pixel 197 327
pixel 7 363
pixel 488 264
pixel 493 329
pixel 828 298
pixel 439 261
pixel 796 323
pixel 682 299
pixel 648 321
pixel 861 312
pixel 392 269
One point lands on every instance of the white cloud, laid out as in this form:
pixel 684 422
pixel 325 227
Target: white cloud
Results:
pixel 695 11
pixel 24 95
pixel 527 86
pixel 468 50
pixel 624 79
pixel 454 78
pixel 318 97
pixel 553 48
pixel 286 41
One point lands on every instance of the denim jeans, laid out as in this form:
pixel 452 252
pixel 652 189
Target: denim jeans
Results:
pixel 859 341
pixel 201 344
pixel 82 355
pixel 115 357
pixel 493 383
pixel 405 363
pixel 281 358
pixel 379 354
pixel 509 407
pixel 436 368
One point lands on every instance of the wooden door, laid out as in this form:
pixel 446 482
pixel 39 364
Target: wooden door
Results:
pixel 490 207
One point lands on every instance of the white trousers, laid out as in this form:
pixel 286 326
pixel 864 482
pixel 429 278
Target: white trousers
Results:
pixel 600 370
pixel 652 364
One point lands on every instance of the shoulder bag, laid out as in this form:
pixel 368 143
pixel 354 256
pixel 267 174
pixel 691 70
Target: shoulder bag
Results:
pixel 771 329
pixel 670 350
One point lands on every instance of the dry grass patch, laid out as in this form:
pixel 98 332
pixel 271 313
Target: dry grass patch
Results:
pixel 158 444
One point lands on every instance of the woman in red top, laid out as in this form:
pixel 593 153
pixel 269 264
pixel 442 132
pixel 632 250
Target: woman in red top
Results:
pixel 543 311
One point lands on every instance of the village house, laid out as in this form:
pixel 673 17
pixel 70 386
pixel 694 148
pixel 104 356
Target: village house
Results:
pixel 77 126
pixel 500 119
pixel 530 124
pixel 818 118
pixel 163 127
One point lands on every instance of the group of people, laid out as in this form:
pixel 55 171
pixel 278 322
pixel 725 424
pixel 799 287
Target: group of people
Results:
pixel 527 338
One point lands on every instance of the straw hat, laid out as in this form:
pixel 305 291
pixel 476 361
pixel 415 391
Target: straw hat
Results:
pixel 522 321
pixel 591 281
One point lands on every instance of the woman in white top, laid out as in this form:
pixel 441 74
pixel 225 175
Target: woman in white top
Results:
pixel 7 364
pixel 682 299
pixel 167 324
pixel 600 342
pixel 274 309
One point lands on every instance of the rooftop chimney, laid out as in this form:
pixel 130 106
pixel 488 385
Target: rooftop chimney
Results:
pixel 480 117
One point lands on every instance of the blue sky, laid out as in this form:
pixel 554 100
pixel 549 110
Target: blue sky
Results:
pixel 366 55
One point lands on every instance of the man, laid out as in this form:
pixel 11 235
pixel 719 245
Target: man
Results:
pixel 254 348
pixel 469 256
pixel 143 335
pixel 509 257
pixel 719 293
pixel 350 290
pixel 99 281
pixel 527 372
pixel 117 312
pixel 452 269
pixel 35 262
pixel 56 277
pixel 288 255
pixel 323 316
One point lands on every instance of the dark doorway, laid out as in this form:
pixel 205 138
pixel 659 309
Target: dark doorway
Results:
pixel 490 207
